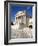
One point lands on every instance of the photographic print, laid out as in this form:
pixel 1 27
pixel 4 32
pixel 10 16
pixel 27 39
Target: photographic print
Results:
pixel 21 22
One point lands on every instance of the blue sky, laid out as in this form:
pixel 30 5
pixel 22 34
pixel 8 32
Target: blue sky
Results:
pixel 15 8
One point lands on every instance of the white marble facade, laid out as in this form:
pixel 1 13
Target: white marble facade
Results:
pixel 20 29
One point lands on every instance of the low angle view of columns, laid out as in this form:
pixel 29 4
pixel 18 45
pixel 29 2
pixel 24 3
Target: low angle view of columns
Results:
pixel 22 26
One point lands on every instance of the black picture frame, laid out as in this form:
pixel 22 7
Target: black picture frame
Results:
pixel 6 29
